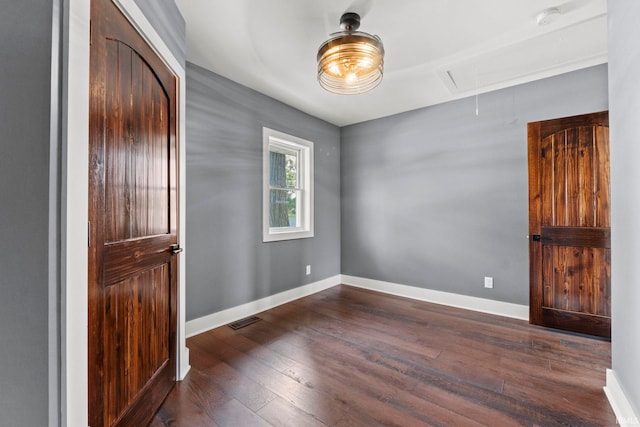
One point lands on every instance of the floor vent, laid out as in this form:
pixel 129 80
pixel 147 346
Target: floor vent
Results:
pixel 243 322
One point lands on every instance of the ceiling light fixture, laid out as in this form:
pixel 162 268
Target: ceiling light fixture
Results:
pixel 350 62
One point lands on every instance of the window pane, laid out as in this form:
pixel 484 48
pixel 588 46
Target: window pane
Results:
pixel 291 169
pixel 283 208
pixel 283 170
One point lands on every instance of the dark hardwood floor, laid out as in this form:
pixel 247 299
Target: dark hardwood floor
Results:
pixel 352 357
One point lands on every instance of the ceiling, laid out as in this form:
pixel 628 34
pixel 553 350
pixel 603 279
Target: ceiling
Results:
pixel 436 50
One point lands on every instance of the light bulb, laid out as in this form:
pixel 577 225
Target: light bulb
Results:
pixel 334 69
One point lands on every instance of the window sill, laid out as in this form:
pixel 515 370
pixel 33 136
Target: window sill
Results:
pixel 277 236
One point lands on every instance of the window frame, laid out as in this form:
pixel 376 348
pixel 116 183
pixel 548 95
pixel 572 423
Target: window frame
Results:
pixel 304 186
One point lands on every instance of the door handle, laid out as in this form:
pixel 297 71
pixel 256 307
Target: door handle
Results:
pixel 176 249
pixel 536 237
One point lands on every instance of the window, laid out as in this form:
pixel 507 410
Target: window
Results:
pixel 287 199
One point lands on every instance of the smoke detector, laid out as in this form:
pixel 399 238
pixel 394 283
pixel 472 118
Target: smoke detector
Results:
pixel 548 16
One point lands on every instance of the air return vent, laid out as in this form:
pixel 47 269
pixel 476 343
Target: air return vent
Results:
pixel 243 322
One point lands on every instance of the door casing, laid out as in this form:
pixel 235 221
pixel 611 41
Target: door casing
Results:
pixel 75 190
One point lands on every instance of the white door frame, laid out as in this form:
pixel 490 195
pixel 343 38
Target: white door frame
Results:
pixel 74 201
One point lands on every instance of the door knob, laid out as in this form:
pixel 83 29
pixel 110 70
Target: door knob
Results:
pixel 176 249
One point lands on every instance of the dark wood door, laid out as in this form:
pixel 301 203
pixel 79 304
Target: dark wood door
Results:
pixel 569 220
pixel 133 223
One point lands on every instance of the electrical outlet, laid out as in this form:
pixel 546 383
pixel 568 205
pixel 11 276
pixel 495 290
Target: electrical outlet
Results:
pixel 488 282
pixel 308 270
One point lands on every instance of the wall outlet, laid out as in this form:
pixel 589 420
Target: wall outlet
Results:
pixel 488 282
pixel 308 270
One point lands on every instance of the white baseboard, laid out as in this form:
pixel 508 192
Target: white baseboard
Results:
pixel 483 305
pixel 184 367
pixel 619 403
pixel 211 321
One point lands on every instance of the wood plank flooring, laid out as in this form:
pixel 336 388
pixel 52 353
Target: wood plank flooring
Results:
pixel 352 357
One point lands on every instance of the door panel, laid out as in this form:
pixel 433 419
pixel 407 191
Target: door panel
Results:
pixel 137 205
pixel 570 258
pixel 578 282
pixel 133 223
pixel 138 343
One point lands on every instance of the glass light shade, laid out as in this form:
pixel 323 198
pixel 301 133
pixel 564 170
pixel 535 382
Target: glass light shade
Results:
pixel 350 62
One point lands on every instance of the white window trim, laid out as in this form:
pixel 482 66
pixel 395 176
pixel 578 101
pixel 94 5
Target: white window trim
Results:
pixel 305 148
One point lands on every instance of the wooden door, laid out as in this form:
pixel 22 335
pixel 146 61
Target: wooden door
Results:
pixel 569 220
pixel 133 223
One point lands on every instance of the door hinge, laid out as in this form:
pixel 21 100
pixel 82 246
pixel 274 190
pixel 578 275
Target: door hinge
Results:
pixel 90 33
pixel 89 234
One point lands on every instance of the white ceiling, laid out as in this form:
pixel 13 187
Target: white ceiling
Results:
pixel 436 50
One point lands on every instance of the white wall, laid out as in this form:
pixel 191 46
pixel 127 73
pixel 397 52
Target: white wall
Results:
pixel 624 107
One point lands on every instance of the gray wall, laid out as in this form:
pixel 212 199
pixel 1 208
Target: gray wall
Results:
pixel 166 19
pixel 624 95
pixel 227 263
pixel 437 197
pixel 25 107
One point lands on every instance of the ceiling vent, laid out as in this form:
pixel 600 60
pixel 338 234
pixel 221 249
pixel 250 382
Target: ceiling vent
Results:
pixel 530 59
